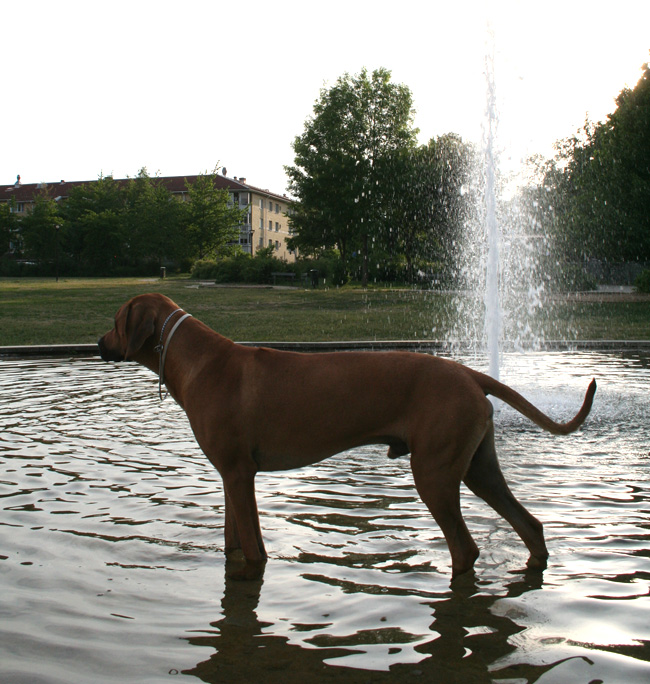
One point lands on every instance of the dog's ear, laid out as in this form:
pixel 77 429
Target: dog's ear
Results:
pixel 140 327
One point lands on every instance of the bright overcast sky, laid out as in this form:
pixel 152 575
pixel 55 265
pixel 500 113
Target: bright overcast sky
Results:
pixel 181 87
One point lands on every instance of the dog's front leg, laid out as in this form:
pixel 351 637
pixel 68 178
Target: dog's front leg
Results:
pixel 242 525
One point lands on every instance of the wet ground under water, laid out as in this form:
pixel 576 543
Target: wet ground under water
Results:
pixel 111 545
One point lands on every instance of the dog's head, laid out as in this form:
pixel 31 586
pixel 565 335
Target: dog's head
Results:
pixel 135 324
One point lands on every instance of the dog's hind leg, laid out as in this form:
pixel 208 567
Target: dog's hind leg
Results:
pixel 485 479
pixel 439 488
pixel 231 533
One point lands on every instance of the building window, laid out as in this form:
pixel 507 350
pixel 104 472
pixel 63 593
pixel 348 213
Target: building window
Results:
pixel 277 208
pixel 277 227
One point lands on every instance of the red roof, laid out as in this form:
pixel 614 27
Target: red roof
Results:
pixel 175 184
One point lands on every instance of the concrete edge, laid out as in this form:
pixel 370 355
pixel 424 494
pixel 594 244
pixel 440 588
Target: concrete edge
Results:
pixel 53 350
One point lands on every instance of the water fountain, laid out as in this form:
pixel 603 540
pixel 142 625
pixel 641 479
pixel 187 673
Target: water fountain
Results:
pixel 501 281
pixel 492 299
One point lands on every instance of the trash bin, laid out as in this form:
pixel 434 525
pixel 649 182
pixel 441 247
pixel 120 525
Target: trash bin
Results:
pixel 313 276
pixel 163 272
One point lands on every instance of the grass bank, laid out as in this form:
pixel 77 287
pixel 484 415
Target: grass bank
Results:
pixel 40 311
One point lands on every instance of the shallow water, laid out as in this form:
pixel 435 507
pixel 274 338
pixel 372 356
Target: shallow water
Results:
pixel 111 545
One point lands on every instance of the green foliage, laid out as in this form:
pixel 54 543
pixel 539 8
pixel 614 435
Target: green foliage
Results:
pixel 339 176
pixel 432 198
pixel 114 227
pixel 39 229
pixel 387 208
pixel 329 267
pixel 242 268
pixel 211 221
pixel 93 229
pixel 233 269
pixel 154 221
pixel 261 268
pixel 7 226
pixel 642 282
pixel 204 269
pixel 604 187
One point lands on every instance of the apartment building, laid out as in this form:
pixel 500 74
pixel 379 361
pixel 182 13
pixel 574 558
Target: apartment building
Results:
pixel 265 225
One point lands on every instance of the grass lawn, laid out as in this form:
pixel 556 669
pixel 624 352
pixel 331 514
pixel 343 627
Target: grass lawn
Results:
pixel 40 311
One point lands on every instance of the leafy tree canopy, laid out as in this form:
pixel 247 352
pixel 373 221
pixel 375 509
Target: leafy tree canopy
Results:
pixel 211 219
pixel 7 225
pixel 38 229
pixel 110 226
pixel 605 181
pixel 432 198
pixel 339 174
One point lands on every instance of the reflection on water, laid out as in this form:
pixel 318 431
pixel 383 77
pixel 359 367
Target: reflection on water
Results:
pixel 111 545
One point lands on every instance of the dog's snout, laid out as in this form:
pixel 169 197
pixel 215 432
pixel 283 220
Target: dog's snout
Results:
pixel 106 352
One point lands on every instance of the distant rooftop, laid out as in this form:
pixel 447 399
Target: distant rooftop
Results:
pixel 176 184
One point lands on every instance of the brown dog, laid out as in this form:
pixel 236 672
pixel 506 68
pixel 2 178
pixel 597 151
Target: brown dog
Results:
pixel 256 409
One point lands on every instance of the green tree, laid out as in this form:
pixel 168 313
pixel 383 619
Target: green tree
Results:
pixel 95 232
pixel 39 229
pixel 606 181
pixel 339 175
pixel 431 200
pixel 543 205
pixel 153 220
pixel 211 220
pixel 8 225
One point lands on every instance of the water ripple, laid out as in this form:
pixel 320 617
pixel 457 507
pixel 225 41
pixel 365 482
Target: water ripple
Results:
pixel 111 563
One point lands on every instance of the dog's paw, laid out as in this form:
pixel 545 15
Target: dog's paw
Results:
pixel 537 563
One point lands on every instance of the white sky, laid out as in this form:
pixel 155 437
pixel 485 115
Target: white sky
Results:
pixel 179 87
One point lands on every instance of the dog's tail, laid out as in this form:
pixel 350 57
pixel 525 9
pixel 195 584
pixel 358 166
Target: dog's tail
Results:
pixel 497 389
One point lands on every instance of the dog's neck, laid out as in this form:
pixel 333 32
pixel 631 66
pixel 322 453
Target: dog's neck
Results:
pixel 180 350
pixel 163 345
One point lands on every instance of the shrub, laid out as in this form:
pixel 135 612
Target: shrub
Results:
pixel 329 267
pixel 241 268
pixel 642 281
pixel 204 269
pixel 260 269
pixel 231 269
